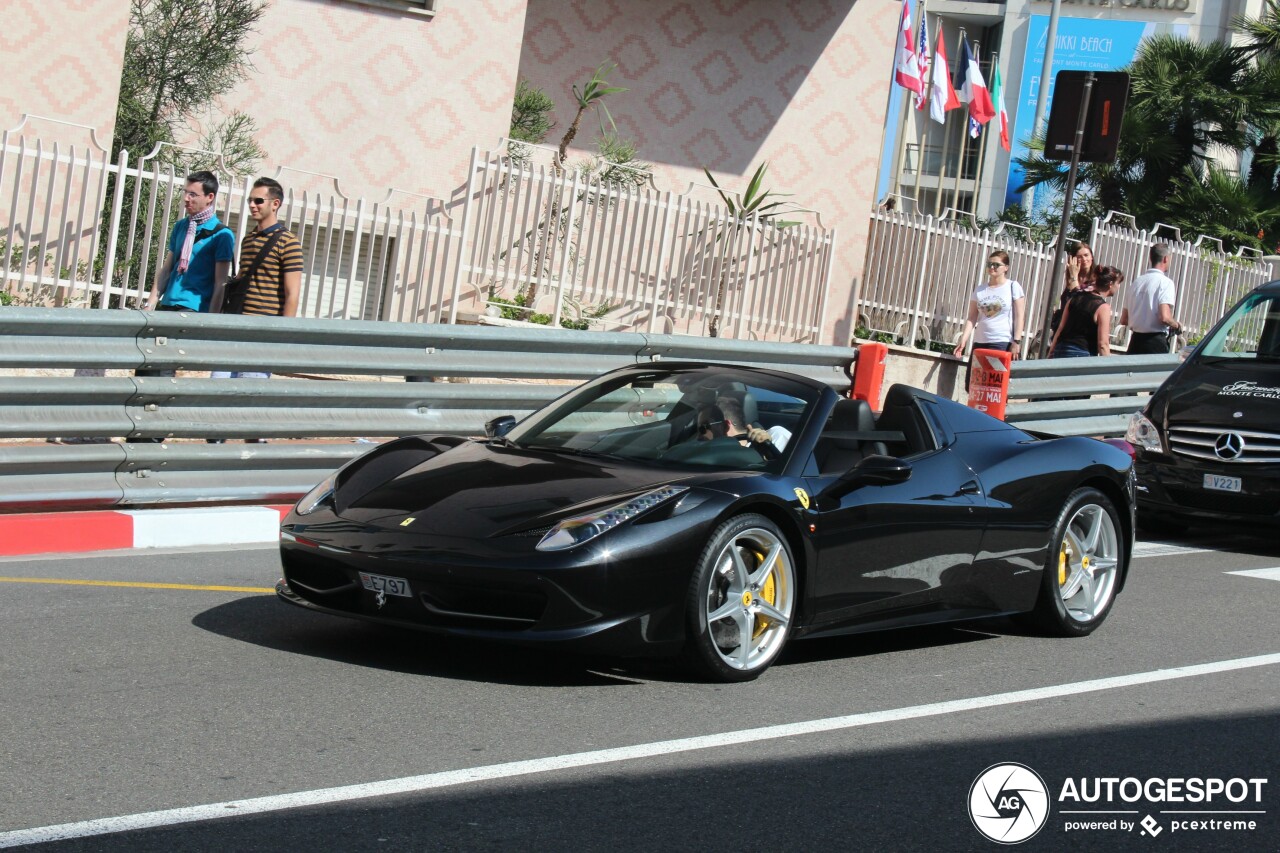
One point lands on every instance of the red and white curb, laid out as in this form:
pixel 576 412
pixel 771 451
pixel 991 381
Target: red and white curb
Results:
pixel 77 532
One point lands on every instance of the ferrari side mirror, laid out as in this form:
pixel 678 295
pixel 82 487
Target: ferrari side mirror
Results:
pixel 871 471
pixel 499 426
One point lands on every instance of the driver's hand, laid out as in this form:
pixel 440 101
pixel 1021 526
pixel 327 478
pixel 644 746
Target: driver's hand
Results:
pixel 758 435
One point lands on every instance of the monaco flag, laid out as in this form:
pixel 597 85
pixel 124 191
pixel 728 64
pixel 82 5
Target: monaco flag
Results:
pixel 906 69
pixel 1002 116
pixel 942 95
pixel 973 89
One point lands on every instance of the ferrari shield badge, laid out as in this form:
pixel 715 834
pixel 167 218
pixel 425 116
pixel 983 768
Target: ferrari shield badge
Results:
pixel 804 497
pixel 407 521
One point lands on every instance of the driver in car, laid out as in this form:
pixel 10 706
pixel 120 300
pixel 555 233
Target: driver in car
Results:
pixel 726 420
pixel 736 419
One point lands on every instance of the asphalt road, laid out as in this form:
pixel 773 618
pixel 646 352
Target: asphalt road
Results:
pixel 124 700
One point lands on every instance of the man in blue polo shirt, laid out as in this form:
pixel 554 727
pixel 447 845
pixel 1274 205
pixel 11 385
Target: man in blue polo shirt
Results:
pixel 198 261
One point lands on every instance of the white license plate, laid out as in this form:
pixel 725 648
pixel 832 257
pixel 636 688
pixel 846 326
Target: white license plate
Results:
pixel 1219 483
pixel 389 585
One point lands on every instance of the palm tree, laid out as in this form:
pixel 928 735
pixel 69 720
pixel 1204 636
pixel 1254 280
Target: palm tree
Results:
pixel 754 205
pixel 1263 31
pixel 1188 102
pixel 591 96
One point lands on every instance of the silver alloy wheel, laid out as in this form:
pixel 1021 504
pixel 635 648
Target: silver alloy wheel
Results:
pixel 1088 562
pixel 750 599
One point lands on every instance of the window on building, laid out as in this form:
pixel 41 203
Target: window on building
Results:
pixel 424 8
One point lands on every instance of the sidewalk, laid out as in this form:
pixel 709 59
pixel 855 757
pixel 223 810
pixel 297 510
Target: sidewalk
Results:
pixel 106 530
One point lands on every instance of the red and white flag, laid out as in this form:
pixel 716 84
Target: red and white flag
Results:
pixel 906 69
pixel 922 61
pixel 1002 115
pixel 973 89
pixel 942 95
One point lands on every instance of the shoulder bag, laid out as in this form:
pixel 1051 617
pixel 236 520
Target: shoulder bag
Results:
pixel 237 287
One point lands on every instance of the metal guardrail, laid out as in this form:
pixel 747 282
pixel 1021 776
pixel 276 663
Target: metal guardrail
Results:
pixel 118 474
pixel 1045 395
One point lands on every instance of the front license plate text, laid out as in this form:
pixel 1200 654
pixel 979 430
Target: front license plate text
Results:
pixel 1219 483
pixel 383 583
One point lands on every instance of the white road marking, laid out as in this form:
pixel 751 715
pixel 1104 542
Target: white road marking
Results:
pixel 431 781
pixel 1265 574
pixel 1165 549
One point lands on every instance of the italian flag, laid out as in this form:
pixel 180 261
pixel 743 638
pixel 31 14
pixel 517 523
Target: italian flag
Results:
pixel 1002 115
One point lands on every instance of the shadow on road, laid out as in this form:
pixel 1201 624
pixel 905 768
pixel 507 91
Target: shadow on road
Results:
pixel 827 793
pixel 264 621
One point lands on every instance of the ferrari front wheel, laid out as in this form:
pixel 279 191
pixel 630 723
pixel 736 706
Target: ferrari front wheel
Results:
pixel 741 600
pixel 1082 572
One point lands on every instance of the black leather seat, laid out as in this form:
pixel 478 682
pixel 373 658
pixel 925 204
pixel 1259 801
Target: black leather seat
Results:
pixel 835 455
pixel 902 413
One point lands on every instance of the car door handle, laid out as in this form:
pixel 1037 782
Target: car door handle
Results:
pixel 970 488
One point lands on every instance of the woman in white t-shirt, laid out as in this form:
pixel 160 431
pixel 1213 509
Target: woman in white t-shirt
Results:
pixel 996 312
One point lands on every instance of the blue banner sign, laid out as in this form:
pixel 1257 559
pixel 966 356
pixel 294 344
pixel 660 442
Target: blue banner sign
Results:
pixel 1083 44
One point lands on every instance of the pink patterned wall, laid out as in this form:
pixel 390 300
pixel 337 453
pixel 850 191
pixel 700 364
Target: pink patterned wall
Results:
pixel 62 60
pixel 381 99
pixel 730 83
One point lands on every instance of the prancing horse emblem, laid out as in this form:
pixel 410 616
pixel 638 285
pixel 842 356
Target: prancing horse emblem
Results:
pixel 380 599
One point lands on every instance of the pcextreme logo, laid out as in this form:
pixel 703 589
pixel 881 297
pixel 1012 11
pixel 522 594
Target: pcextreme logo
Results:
pixel 1009 803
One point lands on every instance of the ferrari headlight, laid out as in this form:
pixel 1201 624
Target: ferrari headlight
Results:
pixel 316 496
pixel 1143 433
pixel 574 531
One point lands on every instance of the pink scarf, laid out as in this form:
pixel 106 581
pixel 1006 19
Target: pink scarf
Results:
pixel 194 221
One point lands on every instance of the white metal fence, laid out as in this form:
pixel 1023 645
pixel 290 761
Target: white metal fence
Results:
pixel 921 272
pixel 658 261
pixel 79 229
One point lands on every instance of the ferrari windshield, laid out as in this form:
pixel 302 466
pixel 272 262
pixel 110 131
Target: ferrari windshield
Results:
pixel 690 417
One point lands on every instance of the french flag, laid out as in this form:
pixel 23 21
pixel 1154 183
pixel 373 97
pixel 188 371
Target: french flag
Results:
pixel 906 69
pixel 973 89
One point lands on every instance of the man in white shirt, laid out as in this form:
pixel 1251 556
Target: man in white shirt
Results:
pixel 1148 307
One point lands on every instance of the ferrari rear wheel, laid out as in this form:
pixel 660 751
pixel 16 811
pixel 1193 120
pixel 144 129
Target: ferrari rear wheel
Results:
pixel 742 600
pixel 1083 569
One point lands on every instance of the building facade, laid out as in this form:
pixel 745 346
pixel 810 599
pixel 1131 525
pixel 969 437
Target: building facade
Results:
pixel 379 95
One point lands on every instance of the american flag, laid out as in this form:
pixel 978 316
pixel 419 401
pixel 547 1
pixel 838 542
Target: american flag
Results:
pixel 922 59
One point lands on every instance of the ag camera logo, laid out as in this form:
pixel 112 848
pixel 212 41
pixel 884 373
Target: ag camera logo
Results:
pixel 1008 803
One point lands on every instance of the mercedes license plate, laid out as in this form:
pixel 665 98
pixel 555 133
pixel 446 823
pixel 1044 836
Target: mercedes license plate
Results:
pixel 388 585
pixel 1219 483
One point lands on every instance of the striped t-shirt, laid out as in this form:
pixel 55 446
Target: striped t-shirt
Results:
pixel 266 292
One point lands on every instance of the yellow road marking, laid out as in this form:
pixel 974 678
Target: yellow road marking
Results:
pixel 139 584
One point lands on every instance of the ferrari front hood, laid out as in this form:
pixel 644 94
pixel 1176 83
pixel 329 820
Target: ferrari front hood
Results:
pixel 477 490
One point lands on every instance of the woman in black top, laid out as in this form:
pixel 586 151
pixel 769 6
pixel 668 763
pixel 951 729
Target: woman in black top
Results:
pixel 1085 328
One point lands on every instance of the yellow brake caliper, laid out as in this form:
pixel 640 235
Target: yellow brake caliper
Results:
pixel 768 593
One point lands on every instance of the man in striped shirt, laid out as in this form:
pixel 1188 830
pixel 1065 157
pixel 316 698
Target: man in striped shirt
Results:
pixel 273 292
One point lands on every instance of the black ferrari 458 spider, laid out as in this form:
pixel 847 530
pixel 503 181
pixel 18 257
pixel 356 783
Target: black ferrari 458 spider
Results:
pixel 717 512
